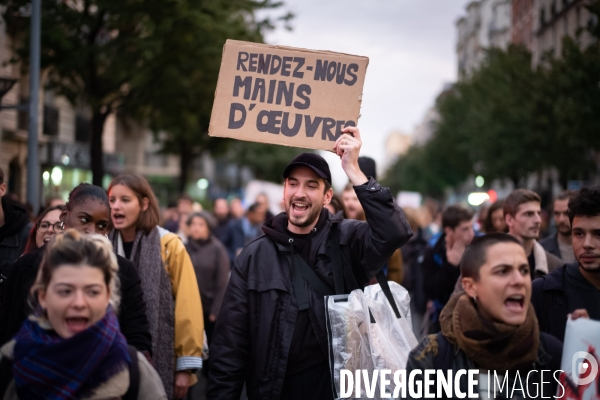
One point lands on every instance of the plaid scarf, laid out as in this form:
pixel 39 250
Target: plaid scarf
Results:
pixel 47 366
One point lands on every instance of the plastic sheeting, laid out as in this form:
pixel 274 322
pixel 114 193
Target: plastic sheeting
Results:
pixel 356 343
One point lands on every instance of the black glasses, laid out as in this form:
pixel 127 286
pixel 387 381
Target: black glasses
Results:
pixel 45 225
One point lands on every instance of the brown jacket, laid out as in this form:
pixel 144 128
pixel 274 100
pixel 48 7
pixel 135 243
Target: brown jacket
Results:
pixel 396 267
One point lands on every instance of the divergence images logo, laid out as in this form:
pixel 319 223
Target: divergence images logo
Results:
pixel 584 371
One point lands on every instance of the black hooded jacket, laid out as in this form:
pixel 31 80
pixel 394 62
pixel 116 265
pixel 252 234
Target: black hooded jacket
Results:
pixel 254 331
pixel 305 349
pixel 558 294
pixel 13 234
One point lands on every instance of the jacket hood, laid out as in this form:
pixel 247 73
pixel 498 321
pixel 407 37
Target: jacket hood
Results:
pixel 15 218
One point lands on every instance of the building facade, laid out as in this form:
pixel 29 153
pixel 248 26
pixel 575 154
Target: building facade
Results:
pixel 487 24
pixel 397 144
pixel 523 15
pixel 555 19
pixel 64 132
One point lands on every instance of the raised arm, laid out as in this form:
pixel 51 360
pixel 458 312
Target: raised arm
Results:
pixel 386 230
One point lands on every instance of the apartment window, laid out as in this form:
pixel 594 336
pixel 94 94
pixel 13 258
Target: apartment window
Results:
pixel 23 116
pixel 50 121
pixel 542 18
pixel 83 129
pixel 553 9
pixel 592 22
pixel 155 159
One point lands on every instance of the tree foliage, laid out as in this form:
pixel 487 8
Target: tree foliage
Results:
pixel 509 120
pixel 267 161
pixel 155 60
pixel 183 80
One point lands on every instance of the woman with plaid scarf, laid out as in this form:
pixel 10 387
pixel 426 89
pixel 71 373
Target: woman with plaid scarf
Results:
pixel 72 348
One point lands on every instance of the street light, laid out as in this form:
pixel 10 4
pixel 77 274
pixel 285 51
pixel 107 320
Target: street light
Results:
pixel 479 181
pixel 478 198
pixel 202 184
pixel 33 163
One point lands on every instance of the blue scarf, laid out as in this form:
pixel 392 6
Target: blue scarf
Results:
pixel 47 366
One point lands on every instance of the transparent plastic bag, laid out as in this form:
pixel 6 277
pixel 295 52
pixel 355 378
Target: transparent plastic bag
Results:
pixel 357 343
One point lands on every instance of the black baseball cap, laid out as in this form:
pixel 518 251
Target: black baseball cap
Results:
pixel 312 161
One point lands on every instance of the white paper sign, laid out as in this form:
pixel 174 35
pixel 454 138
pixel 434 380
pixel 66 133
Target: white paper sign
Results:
pixel 580 378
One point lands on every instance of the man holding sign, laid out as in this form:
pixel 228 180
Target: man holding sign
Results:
pixel 271 330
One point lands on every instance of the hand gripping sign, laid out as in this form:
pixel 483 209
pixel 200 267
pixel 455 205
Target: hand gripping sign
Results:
pixel 287 96
pixel 580 379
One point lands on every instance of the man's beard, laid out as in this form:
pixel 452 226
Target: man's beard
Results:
pixel 564 232
pixel 530 235
pixel 592 270
pixel 310 218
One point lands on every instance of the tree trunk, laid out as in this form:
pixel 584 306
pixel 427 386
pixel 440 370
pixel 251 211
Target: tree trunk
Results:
pixel 515 180
pixel 563 180
pixel 185 161
pixel 96 150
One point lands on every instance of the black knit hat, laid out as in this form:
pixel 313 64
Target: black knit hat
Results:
pixel 312 161
pixel 367 166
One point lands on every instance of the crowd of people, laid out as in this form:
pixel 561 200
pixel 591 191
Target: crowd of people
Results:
pixel 105 296
pixel 519 215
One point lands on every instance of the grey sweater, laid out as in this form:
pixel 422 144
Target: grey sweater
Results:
pixel 212 267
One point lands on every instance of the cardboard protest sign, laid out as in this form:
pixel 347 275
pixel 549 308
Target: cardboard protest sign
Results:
pixel 285 95
pixel 580 379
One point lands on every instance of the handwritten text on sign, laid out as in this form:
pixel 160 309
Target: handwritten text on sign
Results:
pixel 286 96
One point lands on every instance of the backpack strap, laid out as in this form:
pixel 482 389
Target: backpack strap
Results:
pixel 303 272
pixel 385 286
pixel 134 375
pixel 347 275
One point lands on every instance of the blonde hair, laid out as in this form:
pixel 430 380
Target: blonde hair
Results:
pixel 75 248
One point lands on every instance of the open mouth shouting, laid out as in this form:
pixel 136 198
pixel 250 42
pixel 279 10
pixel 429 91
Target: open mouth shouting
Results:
pixel 77 324
pixel 515 303
pixel 118 219
pixel 299 208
